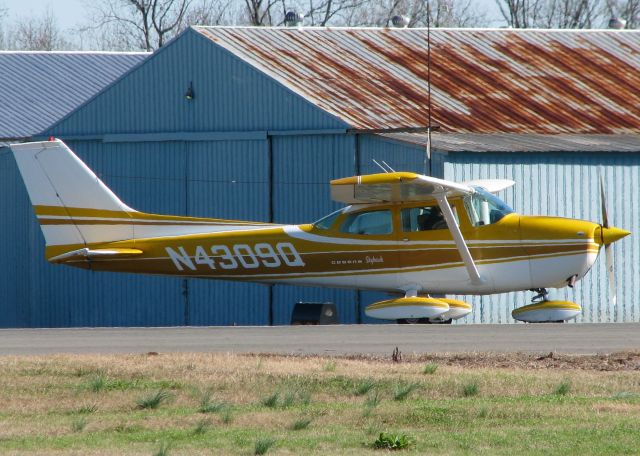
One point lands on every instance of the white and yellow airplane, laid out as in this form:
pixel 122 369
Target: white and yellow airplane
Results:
pixel 403 233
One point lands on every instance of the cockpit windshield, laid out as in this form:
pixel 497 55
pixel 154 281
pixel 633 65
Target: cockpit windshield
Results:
pixel 484 208
pixel 327 221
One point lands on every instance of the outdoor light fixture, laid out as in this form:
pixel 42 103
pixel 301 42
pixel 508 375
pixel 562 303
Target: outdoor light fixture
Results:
pixel 190 94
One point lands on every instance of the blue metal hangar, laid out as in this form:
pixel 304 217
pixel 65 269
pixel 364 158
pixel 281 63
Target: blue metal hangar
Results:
pixel 252 123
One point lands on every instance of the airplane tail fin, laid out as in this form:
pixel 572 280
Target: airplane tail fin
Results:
pixel 73 206
pixel 77 211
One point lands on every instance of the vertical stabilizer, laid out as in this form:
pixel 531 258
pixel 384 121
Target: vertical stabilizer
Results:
pixel 68 197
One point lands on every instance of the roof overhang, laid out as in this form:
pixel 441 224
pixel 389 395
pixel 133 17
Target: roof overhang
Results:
pixel 515 142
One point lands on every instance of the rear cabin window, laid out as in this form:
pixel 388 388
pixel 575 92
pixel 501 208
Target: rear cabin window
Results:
pixel 371 223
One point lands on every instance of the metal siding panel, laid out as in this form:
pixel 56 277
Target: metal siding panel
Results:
pixel 147 177
pixel 222 185
pixel 302 169
pixel 16 248
pixel 400 156
pixel 151 98
pixel 566 185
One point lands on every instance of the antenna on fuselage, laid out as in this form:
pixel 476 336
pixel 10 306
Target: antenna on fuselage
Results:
pixel 387 165
pixel 386 168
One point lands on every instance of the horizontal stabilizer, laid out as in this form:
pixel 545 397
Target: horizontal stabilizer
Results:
pixel 94 254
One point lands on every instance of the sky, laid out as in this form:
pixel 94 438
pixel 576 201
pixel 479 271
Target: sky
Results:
pixel 68 13
pixel 71 13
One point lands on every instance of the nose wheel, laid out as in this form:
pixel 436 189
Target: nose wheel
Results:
pixel 541 296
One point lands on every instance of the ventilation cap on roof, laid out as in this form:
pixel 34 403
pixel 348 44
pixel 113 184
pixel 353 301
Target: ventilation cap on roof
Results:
pixel 400 21
pixel 617 23
pixel 293 19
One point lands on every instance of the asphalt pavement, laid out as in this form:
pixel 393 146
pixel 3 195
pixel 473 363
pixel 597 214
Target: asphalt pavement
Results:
pixel 329 340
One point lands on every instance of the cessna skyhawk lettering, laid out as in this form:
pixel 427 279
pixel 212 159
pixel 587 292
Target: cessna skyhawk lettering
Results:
pixel 403 233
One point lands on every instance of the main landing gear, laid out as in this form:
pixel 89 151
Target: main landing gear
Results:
pixel 423 321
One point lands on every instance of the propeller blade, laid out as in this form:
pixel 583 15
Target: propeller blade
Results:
pixel 608 249
pixel 603 204
pixel 608 252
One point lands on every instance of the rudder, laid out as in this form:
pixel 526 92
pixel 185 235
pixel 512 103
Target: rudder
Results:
pixel 67 196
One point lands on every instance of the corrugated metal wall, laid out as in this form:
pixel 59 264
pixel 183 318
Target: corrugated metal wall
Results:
pixel 567 185
pixel 227 179
pixel 230 95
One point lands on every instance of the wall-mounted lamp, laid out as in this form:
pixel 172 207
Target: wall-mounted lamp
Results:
pixel 190 94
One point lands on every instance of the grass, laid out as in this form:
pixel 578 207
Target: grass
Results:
pixel 153 400
pixel 430 368
pixel 364 387
pixel 163 450
pixel 402 391
pixel 301 424
pixel 48 406
pixel 389 441
pixel 207 406
pixel 330 366
pixel 78 424
pixel 97 383
pixel 562 389
pixel 262 445
pixel 226 416
pixel 202 427
pixel 470 389
pixel 373 400
pixel 271 400
pixel 86 409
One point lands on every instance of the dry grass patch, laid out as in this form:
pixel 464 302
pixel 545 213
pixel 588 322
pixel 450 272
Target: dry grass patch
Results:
pixel 50 405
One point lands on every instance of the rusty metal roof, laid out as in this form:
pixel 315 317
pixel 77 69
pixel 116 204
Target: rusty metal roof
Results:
pixel 483 80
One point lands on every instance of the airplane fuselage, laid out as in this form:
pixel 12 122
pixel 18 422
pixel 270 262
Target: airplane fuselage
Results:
pixel 515 253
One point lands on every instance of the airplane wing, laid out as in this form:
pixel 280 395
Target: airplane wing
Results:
pixel 393 188
pixel 491 185
pixel 404 187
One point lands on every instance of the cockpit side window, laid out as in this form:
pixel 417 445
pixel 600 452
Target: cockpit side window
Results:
pixel 423 219
pixel 369 223
pixel 485 208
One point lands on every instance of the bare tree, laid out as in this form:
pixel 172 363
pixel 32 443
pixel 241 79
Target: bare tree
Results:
pixel 213 12
pixel 261 12
pixel 137 24
pixel 37 34
pixel 3 15
pixel 436 13
pixel 551 13
pixel 629 10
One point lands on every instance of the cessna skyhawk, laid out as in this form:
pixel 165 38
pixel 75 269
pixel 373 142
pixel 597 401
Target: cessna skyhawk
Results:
pixel 404 233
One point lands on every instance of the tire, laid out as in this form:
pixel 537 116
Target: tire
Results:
pixel 413 321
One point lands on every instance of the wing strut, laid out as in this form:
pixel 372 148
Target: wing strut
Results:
pixel 474 275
